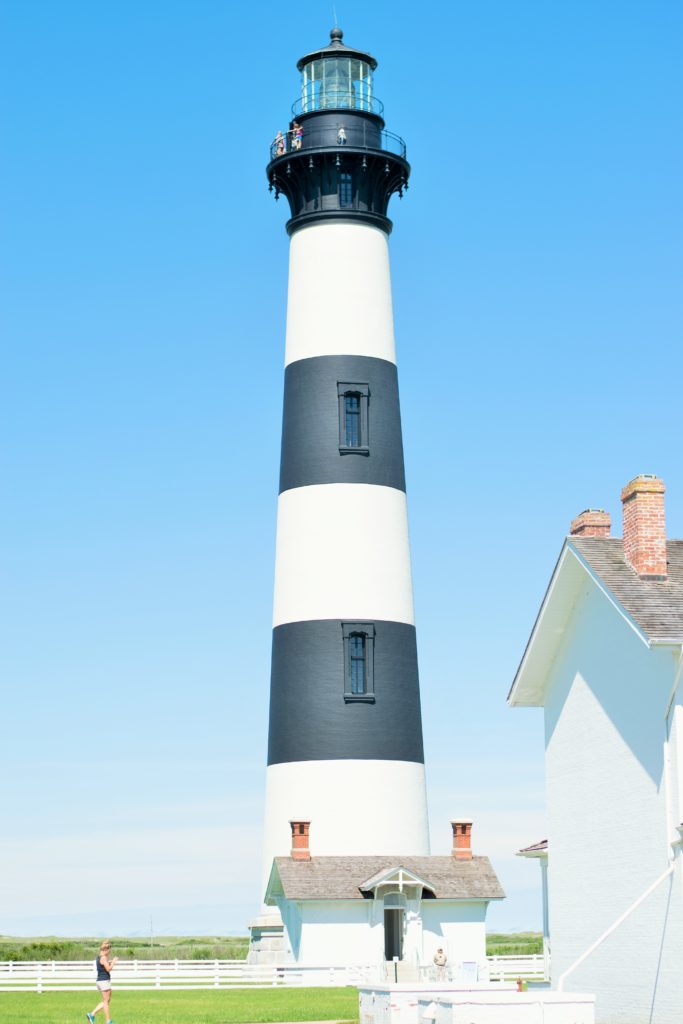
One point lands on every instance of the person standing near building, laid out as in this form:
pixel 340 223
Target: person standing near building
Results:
pixel 104 963
pixel 440 960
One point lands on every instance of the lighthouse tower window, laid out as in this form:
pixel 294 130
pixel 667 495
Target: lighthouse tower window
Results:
pixel 359 644
pixel 357 662
pixel 353 418
pixel 345 190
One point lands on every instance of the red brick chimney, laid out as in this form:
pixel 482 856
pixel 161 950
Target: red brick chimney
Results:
pixel 592 522
pixel 462 838
pixel 300 840
pixel 644 527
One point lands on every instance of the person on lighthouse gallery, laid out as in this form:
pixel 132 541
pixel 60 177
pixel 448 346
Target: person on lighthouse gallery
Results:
pixel 104 964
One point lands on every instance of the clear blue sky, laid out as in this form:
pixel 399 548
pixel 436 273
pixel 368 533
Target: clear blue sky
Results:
pixel 536 269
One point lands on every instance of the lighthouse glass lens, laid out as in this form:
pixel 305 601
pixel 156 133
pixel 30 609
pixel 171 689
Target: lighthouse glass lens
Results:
pixel 336 83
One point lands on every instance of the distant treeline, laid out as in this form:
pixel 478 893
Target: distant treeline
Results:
pixel 204 947
pixel 164 947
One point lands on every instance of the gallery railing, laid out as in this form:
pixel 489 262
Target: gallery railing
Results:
pixel 364 137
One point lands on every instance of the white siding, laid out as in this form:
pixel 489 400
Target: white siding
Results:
pixel 339 933
pixel 605 731
pixel 336 932
pixel 458 928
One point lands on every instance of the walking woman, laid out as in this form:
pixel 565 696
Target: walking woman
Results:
pixel 104 964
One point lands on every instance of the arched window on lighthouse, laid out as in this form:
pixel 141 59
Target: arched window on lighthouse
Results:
pixel 353 418
pixel 359 644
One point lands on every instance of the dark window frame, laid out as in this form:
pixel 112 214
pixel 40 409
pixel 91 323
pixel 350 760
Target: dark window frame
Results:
pixel 367 631
pixel 345 388
pixel 346 190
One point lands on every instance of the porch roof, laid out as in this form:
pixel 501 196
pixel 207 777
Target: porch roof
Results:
pixel 344 878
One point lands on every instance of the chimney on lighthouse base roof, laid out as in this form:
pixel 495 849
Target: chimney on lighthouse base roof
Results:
pixel 300 840
pixel 462 838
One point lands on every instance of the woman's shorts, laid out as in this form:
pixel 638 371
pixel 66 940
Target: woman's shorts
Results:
pixel 104 986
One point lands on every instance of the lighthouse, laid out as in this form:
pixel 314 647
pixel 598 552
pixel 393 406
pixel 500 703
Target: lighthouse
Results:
pixel 345 750
pixel 348 876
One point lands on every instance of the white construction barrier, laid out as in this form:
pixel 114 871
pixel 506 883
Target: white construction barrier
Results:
pixel 482 1003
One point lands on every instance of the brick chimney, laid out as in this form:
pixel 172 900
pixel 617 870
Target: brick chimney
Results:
pixel 644 527
pixel 592 522
pixel 300 840
pixel 462 838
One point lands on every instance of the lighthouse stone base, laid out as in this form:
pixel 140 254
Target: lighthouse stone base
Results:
pixel 266 939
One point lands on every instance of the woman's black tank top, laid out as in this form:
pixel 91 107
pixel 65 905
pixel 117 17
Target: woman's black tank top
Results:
pixel 102 973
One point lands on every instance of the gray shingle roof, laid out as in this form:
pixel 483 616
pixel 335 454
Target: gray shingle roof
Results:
pixel 340 878
pixel 539 847
pixel 656 606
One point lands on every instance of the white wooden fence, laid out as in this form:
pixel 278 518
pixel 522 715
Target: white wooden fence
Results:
pixel 79 975
pixel 530 967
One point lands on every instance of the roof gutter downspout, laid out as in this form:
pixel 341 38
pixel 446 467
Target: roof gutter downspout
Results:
pixel 673 848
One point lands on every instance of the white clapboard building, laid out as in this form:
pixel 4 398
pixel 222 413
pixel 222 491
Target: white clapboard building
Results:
pixel 605 662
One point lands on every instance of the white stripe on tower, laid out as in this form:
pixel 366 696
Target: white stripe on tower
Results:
pixel 339 297
pixel 314 527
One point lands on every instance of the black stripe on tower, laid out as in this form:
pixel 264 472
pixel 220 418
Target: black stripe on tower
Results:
pixel 312 452
pixel 312 719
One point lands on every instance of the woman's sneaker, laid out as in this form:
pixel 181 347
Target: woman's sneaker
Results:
pixel 91 1017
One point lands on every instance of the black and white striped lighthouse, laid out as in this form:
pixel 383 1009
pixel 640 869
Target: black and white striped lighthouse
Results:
pixel 345 737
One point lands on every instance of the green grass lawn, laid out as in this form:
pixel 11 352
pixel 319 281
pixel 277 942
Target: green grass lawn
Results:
pixel 225 1007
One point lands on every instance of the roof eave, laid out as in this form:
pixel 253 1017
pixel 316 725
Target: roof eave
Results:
pixel 269 899
pixel 360 899
pixel 529 685
pixel 525 690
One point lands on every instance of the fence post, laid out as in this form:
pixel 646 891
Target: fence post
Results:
pixel 135 967
pixel 217 980
pixel 40 979
pixel 157 983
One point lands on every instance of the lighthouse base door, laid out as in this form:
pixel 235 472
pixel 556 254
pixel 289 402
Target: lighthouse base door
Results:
pixel 393 934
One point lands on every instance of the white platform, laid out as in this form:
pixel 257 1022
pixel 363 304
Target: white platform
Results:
pixel 479 1003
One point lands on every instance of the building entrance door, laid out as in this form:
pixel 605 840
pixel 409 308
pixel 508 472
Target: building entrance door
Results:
pixel 393 934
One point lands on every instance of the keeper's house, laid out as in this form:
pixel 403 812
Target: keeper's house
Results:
pixel 605 662
pixel 368 909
